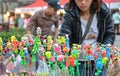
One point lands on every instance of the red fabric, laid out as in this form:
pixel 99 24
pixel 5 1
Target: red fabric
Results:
pixel 109 1
pixel 63 2
pixel 42 3
pixel 37 3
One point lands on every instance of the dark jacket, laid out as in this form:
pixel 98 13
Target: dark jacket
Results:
pixel 72 25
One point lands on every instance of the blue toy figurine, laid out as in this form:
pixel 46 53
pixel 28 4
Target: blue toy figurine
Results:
pixel 26 55
pixel 67 41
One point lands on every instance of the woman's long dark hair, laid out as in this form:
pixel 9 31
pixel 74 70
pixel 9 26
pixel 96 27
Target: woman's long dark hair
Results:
pixel 96 4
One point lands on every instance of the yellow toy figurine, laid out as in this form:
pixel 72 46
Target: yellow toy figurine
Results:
pixel 74 47
pixel 62 39
pixel 49 40
pixel 14 44
pixel 79 47
pixel 48 54
pixel 13 38
pixel 1 43
pixel 9 44
pixel 49 47
pixel 44 74
pixel 58 41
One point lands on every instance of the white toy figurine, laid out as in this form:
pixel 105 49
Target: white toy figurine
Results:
pixel 38 31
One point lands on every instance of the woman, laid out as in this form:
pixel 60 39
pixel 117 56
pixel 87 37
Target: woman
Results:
pixel 80 14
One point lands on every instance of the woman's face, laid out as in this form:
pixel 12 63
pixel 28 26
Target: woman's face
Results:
pixel 84 5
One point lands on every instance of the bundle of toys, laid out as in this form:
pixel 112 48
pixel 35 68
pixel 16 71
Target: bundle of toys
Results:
pixel 31 56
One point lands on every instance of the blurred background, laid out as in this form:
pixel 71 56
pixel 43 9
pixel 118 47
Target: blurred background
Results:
pixel 13 12
pixel 16 14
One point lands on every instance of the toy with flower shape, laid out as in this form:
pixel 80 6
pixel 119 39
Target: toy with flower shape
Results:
pixel 103 57
pixel 44 71
pixel 41 49
pixel 14 43
pixel 115 53
pixel 51 56
pixel 37 43
pixel 57 53
pixel 88 57
pixel 1 44
pixel 67 41
pixel 63 44
pixel 57 49
pixel 49 43
pixel 108 54
pixel 116 56
pixel 64 47
pixel 114 66
pixel 100 59
pixel 8 51
pixel 44 74
pixel 23 47
pixel 22 56
pixel 66 50
pixel 48 49
pixel 71 63
pixel 100 56
pixel 75 53
pixel 9 45
pixel 27 55
pixel 61 41
pixel 88 52
pixel 60 59
pixel 72 59
pixel 48 52
pixel 58 40
pixel 28 43
pixel 50 62
pixel 24 41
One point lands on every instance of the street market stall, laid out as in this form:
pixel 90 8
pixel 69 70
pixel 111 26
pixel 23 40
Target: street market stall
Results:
pixel 56 58
pixel 112 4
pixel 37 5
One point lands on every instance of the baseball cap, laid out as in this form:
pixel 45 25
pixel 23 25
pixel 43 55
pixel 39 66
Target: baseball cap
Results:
pixel 46 0
pixel 55 4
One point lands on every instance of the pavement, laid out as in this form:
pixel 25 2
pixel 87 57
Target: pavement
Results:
pixel 117 41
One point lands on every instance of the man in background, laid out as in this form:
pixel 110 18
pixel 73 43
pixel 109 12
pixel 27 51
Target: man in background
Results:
pixel 116 21
pixel 45 19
